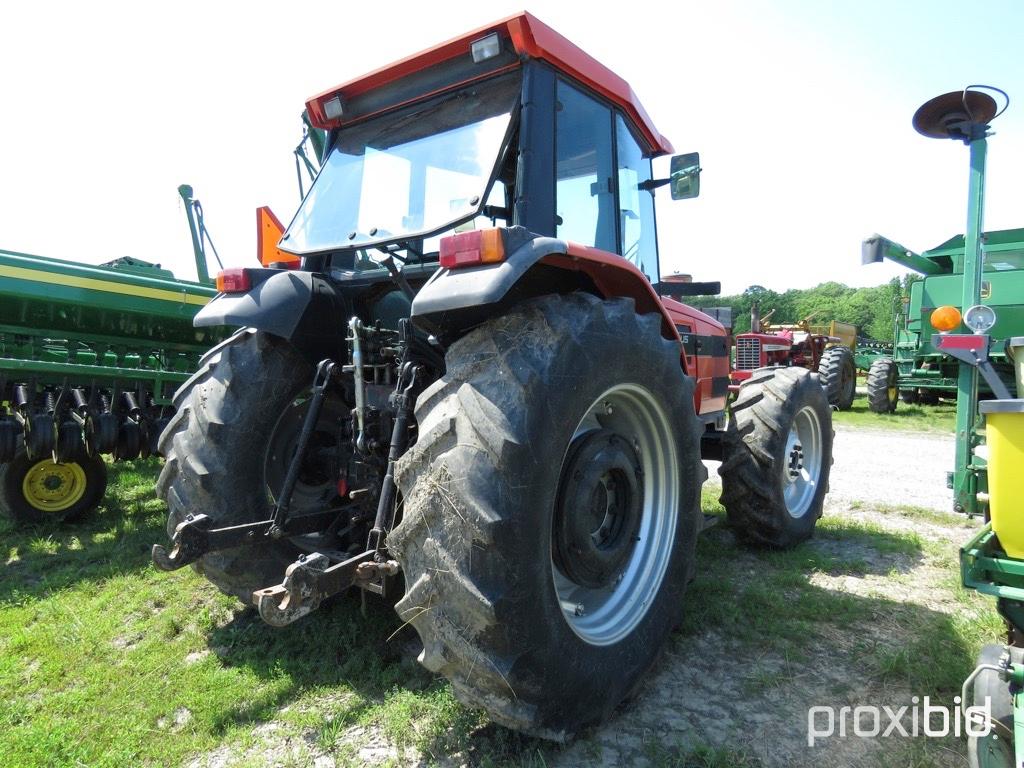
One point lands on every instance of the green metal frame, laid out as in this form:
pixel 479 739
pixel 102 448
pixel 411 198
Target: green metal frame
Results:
pixel 986 568
pixel 61 322
pixel 968 436
pixel 975 268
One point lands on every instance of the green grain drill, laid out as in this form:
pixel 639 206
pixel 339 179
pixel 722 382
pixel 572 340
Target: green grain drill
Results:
pixel 90 357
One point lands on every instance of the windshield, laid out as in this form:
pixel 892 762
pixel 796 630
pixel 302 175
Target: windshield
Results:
pixel 407 173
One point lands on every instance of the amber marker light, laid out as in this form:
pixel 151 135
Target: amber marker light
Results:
pixel 470 249
pixel 945 319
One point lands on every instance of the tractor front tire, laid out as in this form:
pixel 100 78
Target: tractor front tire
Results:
pixel 216 448
pixel 883 386
pixel 777 457
pixel 838 374
pixel 40 490
pixel 551 507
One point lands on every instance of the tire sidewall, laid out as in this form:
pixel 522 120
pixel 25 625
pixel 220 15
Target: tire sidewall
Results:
pixel 556 416
pixel 805 393
pixel 892 380
pixel 848 375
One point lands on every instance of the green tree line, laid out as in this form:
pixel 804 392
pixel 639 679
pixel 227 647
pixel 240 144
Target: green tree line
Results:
pixel 870 309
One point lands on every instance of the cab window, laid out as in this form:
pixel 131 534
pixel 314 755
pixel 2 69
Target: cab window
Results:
pixel 600 175
pixel 584 171
pixel 636 205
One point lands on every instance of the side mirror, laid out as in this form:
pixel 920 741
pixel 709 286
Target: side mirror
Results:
pixel 684 176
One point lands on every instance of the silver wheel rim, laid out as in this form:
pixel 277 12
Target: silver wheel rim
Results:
pixel 604 616
pixel 801 469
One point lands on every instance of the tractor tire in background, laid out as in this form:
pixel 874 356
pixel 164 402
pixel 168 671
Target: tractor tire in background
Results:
pixel 838 374
pixel 551 509
pixel 777 457
pixel 38 491
pixel 883 386
pixel 224 453
pixel 996 749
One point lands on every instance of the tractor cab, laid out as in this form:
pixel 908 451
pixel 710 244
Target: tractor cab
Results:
pixel 509 135
pixel 509 125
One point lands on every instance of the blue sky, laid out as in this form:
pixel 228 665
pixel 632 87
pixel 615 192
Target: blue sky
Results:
pixel 801 111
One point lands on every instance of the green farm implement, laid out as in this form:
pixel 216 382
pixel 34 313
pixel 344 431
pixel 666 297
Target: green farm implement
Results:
pixel 89 359
pixel 977 272
pixel 992 562
pixel 921 373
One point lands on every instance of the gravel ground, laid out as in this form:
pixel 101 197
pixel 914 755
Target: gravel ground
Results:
pixel 877 466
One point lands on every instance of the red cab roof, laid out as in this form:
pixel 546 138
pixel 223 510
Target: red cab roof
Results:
pixel 530 37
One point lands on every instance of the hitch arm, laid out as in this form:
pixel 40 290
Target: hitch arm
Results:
pixel 193 537
pixel 308 582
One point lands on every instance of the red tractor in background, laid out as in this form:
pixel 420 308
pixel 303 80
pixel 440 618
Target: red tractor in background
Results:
pixel 825 350
pixel 468 384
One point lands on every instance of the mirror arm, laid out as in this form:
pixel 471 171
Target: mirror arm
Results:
pixel 652 184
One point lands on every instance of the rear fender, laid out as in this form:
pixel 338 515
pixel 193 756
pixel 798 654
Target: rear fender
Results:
pixel 303 307
pixel 456 299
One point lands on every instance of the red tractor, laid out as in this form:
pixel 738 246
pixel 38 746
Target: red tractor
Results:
pixel 826 350
pixel 469 390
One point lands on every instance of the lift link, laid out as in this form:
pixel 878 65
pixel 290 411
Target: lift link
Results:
pixel 372 573
pixel 311 579
pixel 324 372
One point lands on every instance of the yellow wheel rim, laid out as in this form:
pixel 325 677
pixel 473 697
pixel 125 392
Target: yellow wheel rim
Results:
pixel 53 487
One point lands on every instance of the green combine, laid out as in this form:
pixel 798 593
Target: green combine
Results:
pixel 90 357
pixel 920 373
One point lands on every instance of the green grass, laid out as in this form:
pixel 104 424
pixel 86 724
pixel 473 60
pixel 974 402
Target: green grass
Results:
pixel 106 662
pixel 915 418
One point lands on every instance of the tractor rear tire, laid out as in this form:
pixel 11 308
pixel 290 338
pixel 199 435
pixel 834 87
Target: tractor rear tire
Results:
pixel 778 454
pixel 538 609
pixel 883 386
pixel 838 376
pixel 38 491
pixel 217 451
pixel 996 749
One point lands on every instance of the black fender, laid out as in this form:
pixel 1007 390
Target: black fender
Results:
pixel 305 308
pixel 459 298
